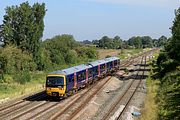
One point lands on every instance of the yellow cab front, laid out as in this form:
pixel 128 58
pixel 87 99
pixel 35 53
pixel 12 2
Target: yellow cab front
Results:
pixel 55 85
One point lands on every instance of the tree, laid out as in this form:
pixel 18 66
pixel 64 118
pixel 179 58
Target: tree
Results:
pixel 108 43
pixel 117 42
pixel 95 42
pixel 162 41
pixel 147 41
pixel 135 41
pixel 173 47
pixel 169 69
pixel 23 27
pixel 105 42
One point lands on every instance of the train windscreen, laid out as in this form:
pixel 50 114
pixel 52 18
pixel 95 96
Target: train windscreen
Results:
pixel 55 81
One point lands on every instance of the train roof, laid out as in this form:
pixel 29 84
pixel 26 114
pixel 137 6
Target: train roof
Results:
pixel 109 59
pixel 97 62
pixel 81 67
pixel 71 70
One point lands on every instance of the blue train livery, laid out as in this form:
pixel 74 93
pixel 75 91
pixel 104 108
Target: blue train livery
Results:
pixel 65 82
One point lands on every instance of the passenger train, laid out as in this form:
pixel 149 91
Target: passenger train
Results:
pixel 65 82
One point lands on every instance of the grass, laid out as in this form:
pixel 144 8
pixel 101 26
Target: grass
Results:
pixel 125 53
pixel 102 53
pixel 150 109
pixel 14 90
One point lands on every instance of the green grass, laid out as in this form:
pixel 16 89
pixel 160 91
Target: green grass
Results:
pixel 14 90
pixel 150 109
pixel 125 53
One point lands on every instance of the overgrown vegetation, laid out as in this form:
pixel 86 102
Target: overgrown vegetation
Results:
pixel 150 109
pixel 167 71
pixel 63 51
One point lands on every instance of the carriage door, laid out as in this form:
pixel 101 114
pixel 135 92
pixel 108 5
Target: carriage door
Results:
pixel 75 80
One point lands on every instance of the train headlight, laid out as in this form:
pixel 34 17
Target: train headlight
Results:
pixel 48 88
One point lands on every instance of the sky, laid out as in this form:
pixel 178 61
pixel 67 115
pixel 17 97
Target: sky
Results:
pixel 93 19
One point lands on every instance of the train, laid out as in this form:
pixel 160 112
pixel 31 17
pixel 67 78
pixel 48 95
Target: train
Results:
pixel 62 83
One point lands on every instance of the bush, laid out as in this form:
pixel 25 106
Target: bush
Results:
pixel 22 77
pixel 71 57
pixel 86 52
pixel 14 60
pixel 161 58
pixel 168 96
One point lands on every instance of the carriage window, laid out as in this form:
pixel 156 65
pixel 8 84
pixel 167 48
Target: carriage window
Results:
pixel 115 62
pixel 90 72
pixel 96 69
pixel 79 76
pixel 83 75
pixel 102 67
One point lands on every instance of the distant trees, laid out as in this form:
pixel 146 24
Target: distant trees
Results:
pixel 162 41
pixel 108 43
pixel 117 42
pixel 147 42
pixel 133 42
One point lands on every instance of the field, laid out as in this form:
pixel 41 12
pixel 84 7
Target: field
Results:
pixel 123 54
pixel 14 90
pixel 149 111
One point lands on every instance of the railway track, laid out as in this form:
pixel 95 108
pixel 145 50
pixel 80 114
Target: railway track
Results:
pixel 88 97
pixel 124 99
pixel 120 117
pixel 73 113
pixel 7 106
pixel 15 107
pixel 12 108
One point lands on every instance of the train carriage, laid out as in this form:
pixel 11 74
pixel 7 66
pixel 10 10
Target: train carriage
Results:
pixel 99 68
pixel 66 81
pixel 62 82
pixel 113 63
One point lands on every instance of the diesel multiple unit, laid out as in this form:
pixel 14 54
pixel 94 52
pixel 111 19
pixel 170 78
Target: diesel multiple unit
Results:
pixel 64 82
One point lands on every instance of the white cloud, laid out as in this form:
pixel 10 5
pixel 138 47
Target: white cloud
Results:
pixel 155 3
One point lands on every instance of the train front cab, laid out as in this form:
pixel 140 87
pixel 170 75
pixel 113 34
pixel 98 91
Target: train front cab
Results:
pixel 55 85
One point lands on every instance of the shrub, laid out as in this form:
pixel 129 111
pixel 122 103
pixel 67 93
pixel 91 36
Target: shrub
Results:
pixel 71 57
pixel 86 52
pixel 14 60
pixel 22 77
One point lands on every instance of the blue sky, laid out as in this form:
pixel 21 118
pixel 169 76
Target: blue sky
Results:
pixel 92 19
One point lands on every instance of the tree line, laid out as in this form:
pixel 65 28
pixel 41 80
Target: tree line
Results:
pixel 133 42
